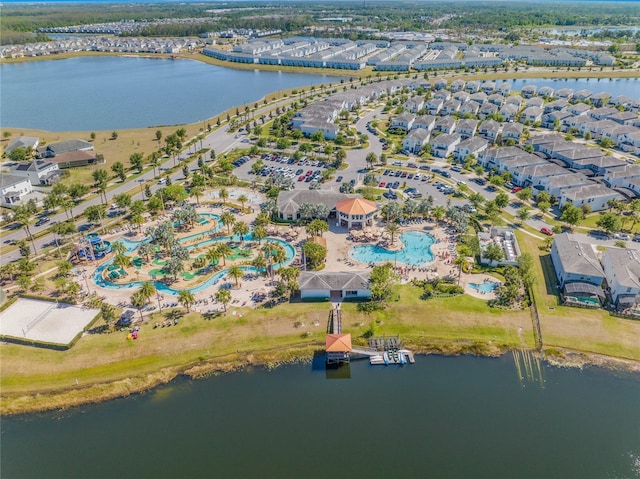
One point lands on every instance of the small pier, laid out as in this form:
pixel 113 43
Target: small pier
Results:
pixel 381 350
pixel 385 350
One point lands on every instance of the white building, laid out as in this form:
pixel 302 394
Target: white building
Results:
pixel 14 188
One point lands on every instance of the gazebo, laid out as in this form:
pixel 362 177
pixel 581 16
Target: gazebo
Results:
pixel 356 212
pixel 338 347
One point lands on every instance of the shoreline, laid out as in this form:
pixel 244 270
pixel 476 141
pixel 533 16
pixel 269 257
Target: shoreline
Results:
pixel 60 400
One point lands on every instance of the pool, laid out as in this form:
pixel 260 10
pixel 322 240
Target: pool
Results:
pixel 416 250
pixel 214 279
pixel 485 287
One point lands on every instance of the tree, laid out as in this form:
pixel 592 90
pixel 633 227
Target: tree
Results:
pixel 114 135
pixel 158 136
pixel 118 169
pixel 460 262
pixel 236 273
pixel 145 250
pixel 224 250
pixel 23 215
pixel 497 180
pixel 317 227
pixel 607 142
pixel 243 199
pixel 571 214
pixel 197 192
pixel 314 253
pixel 524 214
pixel 174 266
pixel 186 298
pixel 502 200
pixel 223 296
pixel 241 229
pixel 123 200
pixel 371 159
pixel 101 178
pixel 393 229
pixel 259 233
pixel 494 253
pixel 525 194
pixel 136 161
pixel 382 281
pixel 438 213
pixel 95 213
pixel 138 301
pixel 228 219
pixel 147 290
pixel 224 195
pixel 609 222
pixel 108 313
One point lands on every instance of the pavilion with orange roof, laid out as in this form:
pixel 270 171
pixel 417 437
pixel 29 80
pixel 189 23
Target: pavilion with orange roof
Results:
pixel 356 212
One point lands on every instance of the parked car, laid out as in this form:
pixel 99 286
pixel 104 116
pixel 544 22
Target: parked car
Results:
pixel 339 179
pixel 546 231
pixel 622 236
pixel 515 189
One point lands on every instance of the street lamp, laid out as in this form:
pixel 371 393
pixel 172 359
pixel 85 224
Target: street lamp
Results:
pixel 84 276
pixel 141 181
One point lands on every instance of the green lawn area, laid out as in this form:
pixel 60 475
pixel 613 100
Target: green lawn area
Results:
pixel 574 328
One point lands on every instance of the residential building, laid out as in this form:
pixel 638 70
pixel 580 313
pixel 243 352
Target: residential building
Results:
pixel 470 146
pixel 442 146
pixel 39 172
pixel 14 188
pixel 403 120
pixel 594 195
pixel 26 142
pixel 55 149
pixel 622 270
pixel 575 262
pixel 339 285
pixel 415 140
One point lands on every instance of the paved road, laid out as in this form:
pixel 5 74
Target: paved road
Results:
pixel 219 140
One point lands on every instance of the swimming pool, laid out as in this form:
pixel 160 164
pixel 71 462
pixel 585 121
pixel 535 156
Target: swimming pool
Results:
pixel 485 287
pixel 416 250
pixel 214 279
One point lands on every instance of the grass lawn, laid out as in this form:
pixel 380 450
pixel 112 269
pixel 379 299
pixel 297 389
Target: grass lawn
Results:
pixel 574 328
pixel 107 357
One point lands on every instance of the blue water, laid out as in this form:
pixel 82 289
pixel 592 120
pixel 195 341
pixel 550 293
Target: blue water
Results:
pixel 106 93
pixel 416 250
pixel 484 287
pixel 213 280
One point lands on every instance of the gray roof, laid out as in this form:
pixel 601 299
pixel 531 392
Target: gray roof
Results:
pixel 289 201
pixel 10 180
pixel 589 191
pixel 67 145
pixel 577 258
pixel 22 142
pixel 324 280
pixel 626 266
pixel 568 180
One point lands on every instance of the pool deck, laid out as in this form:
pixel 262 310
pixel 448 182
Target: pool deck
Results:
pixel 254 291
pixel 478 279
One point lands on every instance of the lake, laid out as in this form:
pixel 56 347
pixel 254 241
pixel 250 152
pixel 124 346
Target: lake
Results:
pixel 109 93
pixel 441 417
pixel 104 93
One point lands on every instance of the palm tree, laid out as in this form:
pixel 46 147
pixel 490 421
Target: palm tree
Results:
pixel 118 247
pixel 224 250
pixel 241 229
pixel 243 199
pixel 24 216
pixel 460 262
pixel 228 219
pixel 138 301
pixel 392 229
pixel 145 250
pixel 147 290
pixel 224 195
pixel 186 299
pixel 236 273
pixel 196 191
pixel 317 227
pixel 213 255
pixel 122 260
pixel 259 262
pixel 439 212
pixel 259 233
pixel 223 296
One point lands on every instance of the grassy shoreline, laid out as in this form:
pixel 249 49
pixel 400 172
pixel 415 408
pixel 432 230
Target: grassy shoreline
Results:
pixel 96 393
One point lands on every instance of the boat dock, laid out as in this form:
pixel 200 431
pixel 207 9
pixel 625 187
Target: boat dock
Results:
pixel 385 350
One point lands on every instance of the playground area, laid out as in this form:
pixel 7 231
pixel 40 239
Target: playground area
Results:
pixel 44 321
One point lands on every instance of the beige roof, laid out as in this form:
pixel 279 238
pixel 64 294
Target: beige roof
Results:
pixel 356 206
pixel 338 343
